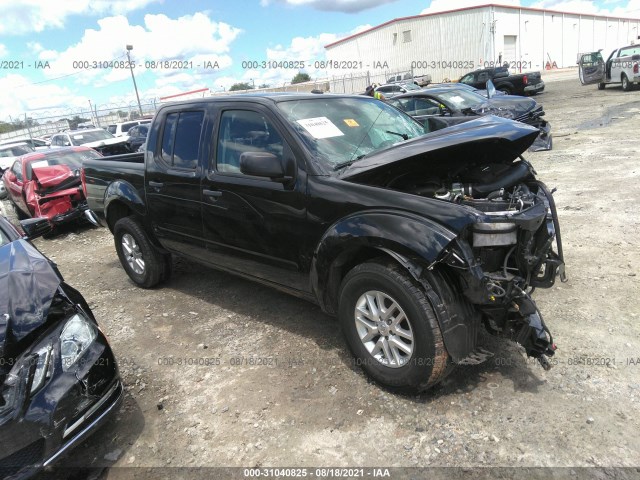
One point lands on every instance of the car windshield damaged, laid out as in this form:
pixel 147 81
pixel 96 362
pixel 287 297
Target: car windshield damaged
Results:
pixel 481 187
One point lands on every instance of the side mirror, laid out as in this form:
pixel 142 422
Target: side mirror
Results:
pixel 66 143
pixel 10 176
pixel 36 227
pixel 263 164
pixel 491 89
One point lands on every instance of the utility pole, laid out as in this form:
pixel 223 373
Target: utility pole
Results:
pixel 129 48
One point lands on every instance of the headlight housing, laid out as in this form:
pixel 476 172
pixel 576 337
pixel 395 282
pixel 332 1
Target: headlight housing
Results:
pixel 30 371
pixel 76 337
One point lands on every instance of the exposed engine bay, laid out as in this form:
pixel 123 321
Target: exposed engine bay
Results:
pixel 501 259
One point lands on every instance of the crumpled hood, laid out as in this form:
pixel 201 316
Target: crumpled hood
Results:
pixel 53 175
pixel 28 283
pixel 517 106
pixel 490 139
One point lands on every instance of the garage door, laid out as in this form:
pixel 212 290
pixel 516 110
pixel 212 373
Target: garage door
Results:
pixel 509 48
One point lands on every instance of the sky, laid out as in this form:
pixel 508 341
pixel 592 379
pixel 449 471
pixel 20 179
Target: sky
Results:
pixel 57 58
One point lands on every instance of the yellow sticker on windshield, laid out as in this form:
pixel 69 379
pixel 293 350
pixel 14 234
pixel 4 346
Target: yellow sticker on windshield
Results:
pixel 351 122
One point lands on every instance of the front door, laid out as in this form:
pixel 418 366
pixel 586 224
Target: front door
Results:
pixel 255 226
pixel 591 68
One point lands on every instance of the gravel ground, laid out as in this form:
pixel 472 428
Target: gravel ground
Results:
pixel 223 372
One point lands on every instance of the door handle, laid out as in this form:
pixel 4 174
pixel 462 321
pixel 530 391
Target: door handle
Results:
pixel 156 184
pixel 212 193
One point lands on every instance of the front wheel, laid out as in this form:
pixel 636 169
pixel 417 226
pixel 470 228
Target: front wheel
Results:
pixel 391 328
pixel 140 259
pixel 601 86
pixel 626 84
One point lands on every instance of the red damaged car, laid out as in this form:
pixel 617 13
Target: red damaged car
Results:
pixel 47 183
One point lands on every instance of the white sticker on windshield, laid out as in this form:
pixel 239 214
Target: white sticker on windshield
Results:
pixel 78 137
pixel 320 127
pixel 456 99
pixel 41 163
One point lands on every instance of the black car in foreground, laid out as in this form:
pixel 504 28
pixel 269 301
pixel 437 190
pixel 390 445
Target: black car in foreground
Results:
pixel 445 106
pixel 58 377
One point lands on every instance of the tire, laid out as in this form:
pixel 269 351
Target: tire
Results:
pixel 423 361
pixel 626 84
pixel 505 90
pixel 139 258
pixel 601 85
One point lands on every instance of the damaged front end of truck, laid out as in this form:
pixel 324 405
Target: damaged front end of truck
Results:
pixel 504 222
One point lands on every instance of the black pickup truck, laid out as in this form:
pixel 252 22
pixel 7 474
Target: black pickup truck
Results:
pixel 414 240
pixel 528 83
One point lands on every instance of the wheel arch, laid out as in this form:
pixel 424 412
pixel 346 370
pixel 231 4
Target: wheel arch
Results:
pixel 338 253
pixel 121 200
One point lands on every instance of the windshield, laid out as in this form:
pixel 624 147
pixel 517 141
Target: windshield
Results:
pixel 461 98
pixel 90 136
pixel 69 158
pixel 15 150
pixel 343 129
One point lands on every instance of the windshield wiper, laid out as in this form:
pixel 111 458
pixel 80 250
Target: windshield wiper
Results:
pixel 403 135
pixel 349 162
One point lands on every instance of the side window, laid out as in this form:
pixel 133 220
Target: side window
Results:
pixel 17 170
pixel 483 76
pixel 468 79
pixel 187 142
pixel 181 139
pixel 426 106
pixel 244 131
pixel 167 137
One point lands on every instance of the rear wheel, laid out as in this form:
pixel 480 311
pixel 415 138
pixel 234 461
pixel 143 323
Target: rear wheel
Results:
pixel 505 90
pixel 391 328
pixel 626 84
pixel 140 259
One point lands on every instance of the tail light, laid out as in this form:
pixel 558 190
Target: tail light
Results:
pixel 83 178
pixel 635 68
pixel 525 80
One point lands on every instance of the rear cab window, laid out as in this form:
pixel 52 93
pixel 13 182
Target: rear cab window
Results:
pixel 181 139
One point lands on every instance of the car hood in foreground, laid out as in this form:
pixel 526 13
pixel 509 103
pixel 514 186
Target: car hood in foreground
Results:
pixel 518 106
pixel 30 284
pixel 488 139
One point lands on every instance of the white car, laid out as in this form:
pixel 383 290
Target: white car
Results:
pixel 97 138
pixel 9 153
pixel 35 143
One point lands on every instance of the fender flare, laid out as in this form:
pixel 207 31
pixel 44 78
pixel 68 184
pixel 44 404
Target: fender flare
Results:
pixel 406 234
pixel 123 192
pixel 458 320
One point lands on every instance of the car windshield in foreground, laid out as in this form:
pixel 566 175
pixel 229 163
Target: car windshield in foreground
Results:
pixel 342 130
pixel 70 158
pixel 89 136
pixel 461 98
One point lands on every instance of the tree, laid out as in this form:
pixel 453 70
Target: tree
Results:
pixel 264 85
pixel 301 77
pixel 73 123
pixel 240 86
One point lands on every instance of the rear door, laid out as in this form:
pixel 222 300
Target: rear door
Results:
pixel 255 226
pixel 591 68
pixel 172 180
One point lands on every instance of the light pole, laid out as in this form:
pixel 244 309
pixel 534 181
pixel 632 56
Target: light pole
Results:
pixel 129 48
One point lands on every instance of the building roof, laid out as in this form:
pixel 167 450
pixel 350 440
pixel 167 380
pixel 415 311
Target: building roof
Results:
pixel 510 7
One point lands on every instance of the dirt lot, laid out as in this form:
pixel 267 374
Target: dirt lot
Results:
pixel 223 372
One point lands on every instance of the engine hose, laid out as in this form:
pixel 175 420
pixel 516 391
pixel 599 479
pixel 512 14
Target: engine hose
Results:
pixel 511 177
pixel 554 214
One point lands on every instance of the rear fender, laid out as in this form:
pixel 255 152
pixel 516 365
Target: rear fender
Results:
pixel 119 197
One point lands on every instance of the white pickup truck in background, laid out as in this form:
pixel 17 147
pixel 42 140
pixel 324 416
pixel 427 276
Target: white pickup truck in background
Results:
pixel 420 80
pixel 622 66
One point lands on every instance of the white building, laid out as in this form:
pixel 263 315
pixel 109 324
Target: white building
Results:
pixel 448 44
